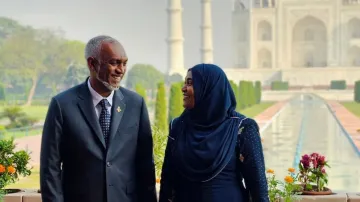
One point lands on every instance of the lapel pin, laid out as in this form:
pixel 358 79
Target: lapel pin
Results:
pixel 241 157
pixel 118 109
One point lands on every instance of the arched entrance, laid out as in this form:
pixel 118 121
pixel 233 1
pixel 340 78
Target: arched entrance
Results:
pixel 264 59
pixel 354 28
pixel 309 43
pixel 264 31
pixel 354 56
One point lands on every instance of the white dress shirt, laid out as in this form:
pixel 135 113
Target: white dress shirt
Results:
pixel 96 98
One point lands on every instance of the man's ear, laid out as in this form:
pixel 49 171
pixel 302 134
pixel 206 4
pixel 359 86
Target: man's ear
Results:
pixel 91 62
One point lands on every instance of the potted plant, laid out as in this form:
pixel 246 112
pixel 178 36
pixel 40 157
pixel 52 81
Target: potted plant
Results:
pixel 12 165
pixel 286 190
pixel 313 176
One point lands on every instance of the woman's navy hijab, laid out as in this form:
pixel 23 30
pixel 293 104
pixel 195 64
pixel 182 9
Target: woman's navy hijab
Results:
pixel 206 137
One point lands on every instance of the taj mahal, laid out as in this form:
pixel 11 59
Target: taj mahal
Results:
pixel 303 42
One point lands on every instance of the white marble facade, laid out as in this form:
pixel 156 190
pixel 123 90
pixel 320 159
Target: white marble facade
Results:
pixel 303 42
pixel 286 34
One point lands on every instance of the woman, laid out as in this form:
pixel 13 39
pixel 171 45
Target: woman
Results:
pixel 211 147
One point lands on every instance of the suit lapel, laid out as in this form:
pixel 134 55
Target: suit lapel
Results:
pixel 88 110
pixel 117 112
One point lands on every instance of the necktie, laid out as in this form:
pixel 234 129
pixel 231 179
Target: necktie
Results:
pixel 104 119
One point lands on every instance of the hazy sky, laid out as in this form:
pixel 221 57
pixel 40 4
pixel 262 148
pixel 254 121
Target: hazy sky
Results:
pixel 140 25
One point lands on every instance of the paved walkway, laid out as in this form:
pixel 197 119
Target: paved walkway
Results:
pixel 32 144
pixel 350 122
pixel 266 115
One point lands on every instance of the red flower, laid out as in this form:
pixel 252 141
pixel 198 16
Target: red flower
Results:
pixel 314 155
pixel 317 160
pixel 321 160
pixel 305 157
pixel 314 162
pixel 305 161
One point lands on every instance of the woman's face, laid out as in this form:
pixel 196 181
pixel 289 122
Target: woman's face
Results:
pixel 188 92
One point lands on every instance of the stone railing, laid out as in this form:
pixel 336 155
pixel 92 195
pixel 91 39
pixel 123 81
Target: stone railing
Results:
pixel 350 2
pixel 338 95
pixel 315 76
pixel 33 196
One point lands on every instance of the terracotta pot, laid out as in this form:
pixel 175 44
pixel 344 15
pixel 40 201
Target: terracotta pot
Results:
pixel 326 191
pixel 12 191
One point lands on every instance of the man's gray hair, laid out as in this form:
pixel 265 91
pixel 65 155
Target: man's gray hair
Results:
pixel 93 47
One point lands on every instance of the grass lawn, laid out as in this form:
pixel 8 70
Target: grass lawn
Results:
pixel 353 107
pixel 38 112
pixel 32 181
pixel 255 110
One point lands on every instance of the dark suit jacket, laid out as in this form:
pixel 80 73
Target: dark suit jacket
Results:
pixel 75 164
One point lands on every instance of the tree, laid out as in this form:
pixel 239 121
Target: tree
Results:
pixel 175 101
pixel 252 93
pixel 246 94
pixel 75 75
pixel 236 93
pixel 7 27
pixel 175 78
pixel 59 54
pixel 2 92
pixel 160 108
pixel 141 91
pixel 144 74
pixel 36 56
pixel 21 55
pixel 242 95
pixel 357 91
pixel 258 91
pixel 73 52
pixel 17 117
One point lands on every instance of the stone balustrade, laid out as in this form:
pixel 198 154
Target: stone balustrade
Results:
pixel 338 95
pixel 315 76
pixel 33 196
pixel 347 2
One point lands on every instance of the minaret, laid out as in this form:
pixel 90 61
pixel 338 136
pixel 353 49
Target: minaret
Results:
pixel 176 40
pixel 206 33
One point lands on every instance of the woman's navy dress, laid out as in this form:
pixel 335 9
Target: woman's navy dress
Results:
pixel 247 163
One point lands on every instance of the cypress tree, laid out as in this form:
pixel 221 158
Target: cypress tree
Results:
pixel 2 92
pixel 246 94
pixel 236 93
pixel 357 91
pixel 258 91
pixel 175 101
pixel 160 108
pixel 242 95
pixel 141 91
pixel 252 93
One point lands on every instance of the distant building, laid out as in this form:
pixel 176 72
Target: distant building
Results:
pixel 282 39
pixel 303 42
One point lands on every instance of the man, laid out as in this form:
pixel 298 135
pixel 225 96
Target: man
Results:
pixel 97 143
